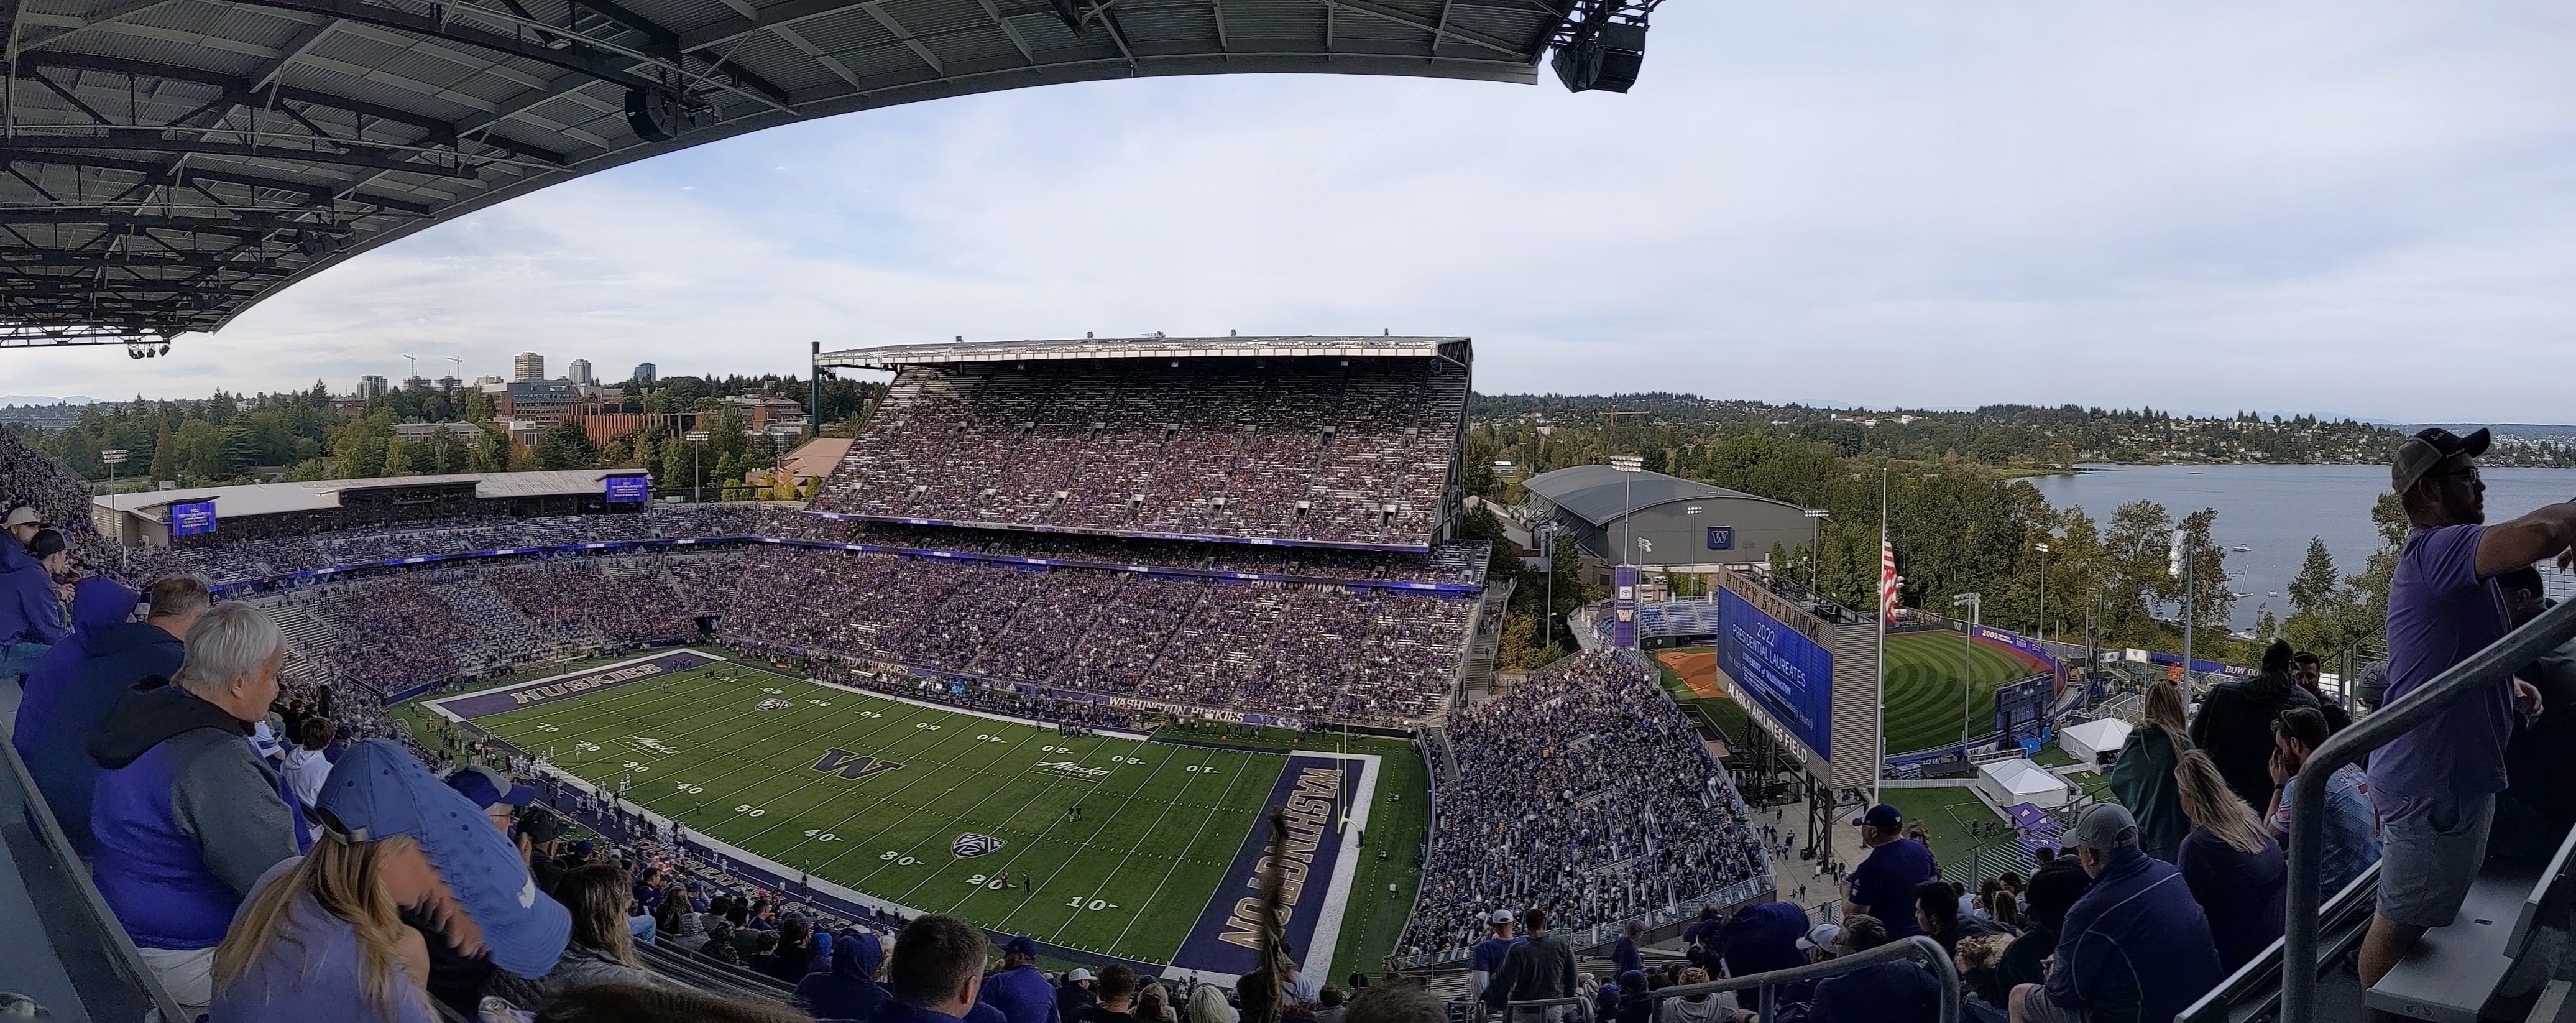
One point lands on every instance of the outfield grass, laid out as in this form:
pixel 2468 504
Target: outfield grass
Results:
pixel 1719 712
pixel 1159 826
pixel 1946 815
pixel 1926 691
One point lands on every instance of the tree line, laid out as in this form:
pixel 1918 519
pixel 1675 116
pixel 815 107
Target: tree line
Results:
pixel 303 435
pixel 1958 525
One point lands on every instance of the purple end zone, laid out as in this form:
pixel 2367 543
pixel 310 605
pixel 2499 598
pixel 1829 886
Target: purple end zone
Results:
pixel 530 694
pixel 1225 938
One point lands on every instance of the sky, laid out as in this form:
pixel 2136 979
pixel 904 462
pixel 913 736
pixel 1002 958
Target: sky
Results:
pixel 2354 208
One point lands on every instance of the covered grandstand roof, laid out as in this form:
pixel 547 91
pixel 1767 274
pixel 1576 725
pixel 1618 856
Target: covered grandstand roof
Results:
pixel 272 498
pixel 1455 349
pixel 172 162
pixel 1601 494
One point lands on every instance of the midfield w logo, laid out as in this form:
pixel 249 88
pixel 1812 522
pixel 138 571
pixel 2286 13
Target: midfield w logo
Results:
pixel 853 766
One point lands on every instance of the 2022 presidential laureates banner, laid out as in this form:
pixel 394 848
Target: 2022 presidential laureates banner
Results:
pixel 1783 671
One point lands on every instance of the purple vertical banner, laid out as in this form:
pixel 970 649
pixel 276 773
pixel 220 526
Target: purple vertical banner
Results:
pixel 1623 607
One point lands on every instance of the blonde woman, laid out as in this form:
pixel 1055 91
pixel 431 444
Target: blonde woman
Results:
pixel 603 946
pixel 320 936
pixel 2235 869
pixel 2143 775
pixel 1207 1005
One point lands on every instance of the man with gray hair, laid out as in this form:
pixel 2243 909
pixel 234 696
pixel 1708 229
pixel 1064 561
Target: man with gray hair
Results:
pixel 187 817
pixel 2135 948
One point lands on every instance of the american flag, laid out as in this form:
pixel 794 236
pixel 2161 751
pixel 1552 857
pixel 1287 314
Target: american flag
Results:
pixel 1886 581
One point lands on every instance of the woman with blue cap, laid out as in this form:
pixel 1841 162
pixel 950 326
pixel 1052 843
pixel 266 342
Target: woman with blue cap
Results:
pixel 321 935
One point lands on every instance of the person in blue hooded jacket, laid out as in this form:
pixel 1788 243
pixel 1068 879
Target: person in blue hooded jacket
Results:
pixel 31 609
pixel 115 657
pixel 96 604
pixel 849 990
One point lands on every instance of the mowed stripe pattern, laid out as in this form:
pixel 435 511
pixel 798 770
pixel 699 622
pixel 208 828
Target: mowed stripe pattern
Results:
pixel 1159 823
pixel 1926 687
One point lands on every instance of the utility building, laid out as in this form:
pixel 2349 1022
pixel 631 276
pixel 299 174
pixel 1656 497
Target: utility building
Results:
pixel 1666 523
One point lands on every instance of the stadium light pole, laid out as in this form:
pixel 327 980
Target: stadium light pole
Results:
pixel 1975 603
pixel 2042 631
pixel 697 442
pixel 1816 554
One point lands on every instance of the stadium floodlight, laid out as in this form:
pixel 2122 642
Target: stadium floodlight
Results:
pixel 697 481
pixel 2042 630
pixel 1975 603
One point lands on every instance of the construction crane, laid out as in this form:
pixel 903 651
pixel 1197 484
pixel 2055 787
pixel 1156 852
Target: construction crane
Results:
pixel 412 361
pixel 458 373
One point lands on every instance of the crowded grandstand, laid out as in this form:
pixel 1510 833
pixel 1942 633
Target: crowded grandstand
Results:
pixel 1092 544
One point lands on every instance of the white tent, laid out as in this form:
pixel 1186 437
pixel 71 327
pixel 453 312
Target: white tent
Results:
pixel 2100 735
pixel 2012 782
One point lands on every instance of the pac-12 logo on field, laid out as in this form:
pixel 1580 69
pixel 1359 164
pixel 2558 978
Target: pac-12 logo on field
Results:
pixel 853 766
pixel 971 845
pixel 773 703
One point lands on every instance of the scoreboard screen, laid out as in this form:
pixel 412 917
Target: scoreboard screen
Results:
pixel 194 518
pixel 628 489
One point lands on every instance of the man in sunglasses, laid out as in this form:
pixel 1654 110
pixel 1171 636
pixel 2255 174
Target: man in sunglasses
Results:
pixel 2435 785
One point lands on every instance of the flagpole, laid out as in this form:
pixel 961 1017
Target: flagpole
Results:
pixel 1886 602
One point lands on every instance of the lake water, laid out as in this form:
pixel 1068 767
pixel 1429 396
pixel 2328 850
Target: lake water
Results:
pixel 2275 509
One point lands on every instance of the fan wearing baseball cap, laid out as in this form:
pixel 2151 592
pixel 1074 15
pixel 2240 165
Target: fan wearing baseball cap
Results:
pixel 1486 959
pixel 1018 990
pixel 1883 885
pixel 2435 784
pixel 321 936
pixel 31 612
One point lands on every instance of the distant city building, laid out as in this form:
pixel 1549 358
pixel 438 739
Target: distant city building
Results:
pixel 539 403
pixel 371 387
pixel 578 371
pixel 644 373
pixel 765 414
pixel 423 431
pixel 527 366
pixel 483 381
pixel 415 383
pixel 449 384
pixel 605 418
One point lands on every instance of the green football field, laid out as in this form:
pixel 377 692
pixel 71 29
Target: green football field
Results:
pixel 1928 683
pixel 1111 845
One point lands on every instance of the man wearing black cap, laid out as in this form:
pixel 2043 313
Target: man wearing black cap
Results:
pixel 1019 991
pixel 2435 785
pixel 1883 885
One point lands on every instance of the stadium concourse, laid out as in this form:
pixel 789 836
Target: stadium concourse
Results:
pixel 1276 574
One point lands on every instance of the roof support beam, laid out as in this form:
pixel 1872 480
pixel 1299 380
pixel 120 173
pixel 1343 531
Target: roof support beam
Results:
pixel 572 58
pixel 876 9
pixel 114 13
pixel 244 225
pixel 1438 32
pixel 316 194
pixel 1017 40
pixel 192 147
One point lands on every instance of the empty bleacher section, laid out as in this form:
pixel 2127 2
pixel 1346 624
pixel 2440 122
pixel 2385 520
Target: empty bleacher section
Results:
pixel 1353 450
pixel 1585 790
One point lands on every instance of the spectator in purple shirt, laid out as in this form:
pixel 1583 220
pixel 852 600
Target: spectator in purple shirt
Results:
pixel 2436 784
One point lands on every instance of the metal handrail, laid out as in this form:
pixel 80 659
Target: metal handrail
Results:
pixel 2487 667
pixel 1583 1003
pixel 1922 949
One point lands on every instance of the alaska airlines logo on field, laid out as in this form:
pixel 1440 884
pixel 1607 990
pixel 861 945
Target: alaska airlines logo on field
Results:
pixel 1069 767
pixel 649 744
pixel 971 845
pixel 773 703
pixel 852 766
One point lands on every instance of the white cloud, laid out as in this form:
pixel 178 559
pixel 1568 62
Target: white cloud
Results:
pixel 2205 206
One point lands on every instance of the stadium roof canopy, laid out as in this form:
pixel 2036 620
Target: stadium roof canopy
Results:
pixel 1454 349
pixel 273 498
pixel 170 163
pixel 1600 494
